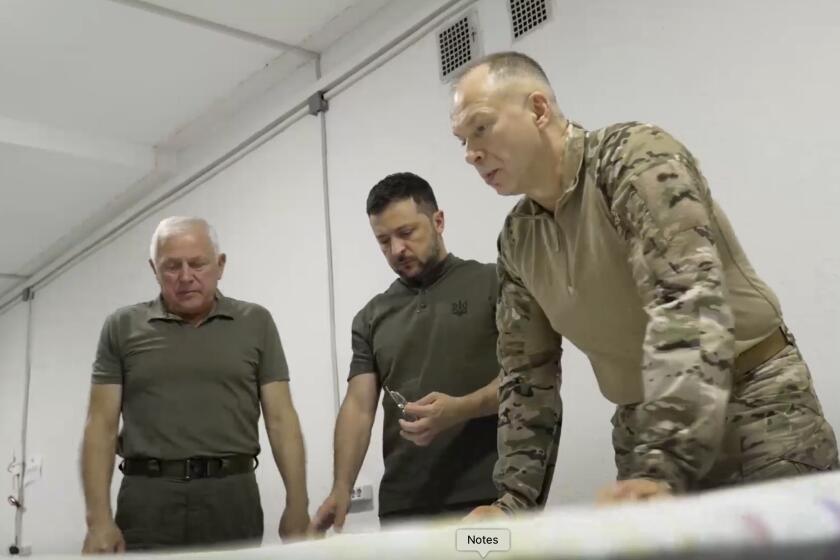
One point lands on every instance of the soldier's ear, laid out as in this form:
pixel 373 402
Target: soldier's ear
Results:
pixel 540 108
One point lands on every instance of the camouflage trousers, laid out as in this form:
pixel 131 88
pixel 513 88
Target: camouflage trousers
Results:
pixel 774 428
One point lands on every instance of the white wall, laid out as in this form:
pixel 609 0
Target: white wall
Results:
pixel 750 87
pixel 12 376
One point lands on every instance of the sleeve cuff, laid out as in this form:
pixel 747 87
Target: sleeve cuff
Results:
pixel 510 504
pixel 662 471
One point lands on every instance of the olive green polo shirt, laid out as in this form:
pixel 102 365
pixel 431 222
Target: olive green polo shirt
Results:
pixel 189 391
pixel 440 336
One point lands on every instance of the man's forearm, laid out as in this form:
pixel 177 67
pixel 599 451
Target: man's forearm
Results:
pixel 98 449
pixel 352 437
pixel 287 447
pixel 483 402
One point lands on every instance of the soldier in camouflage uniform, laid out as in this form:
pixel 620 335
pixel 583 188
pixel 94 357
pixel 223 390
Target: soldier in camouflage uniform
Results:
pixel 619 246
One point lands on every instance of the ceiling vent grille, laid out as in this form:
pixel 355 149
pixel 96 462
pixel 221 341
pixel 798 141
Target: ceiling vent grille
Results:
pixel 458 45
pixel 526 15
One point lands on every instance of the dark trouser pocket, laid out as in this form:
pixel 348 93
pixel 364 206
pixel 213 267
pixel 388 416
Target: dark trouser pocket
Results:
pixel 225 511
pixel 151 513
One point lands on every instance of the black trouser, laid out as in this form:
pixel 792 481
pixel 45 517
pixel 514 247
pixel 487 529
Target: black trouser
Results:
pixel 158 513
pixel 417 514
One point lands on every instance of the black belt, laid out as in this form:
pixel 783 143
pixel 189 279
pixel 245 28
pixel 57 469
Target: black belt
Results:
pixel 187 469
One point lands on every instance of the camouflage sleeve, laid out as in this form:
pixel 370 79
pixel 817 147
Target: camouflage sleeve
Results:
pixel 662 207
pixel 530 410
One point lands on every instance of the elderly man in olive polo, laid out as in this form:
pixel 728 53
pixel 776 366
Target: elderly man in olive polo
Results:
pixel 188 372
pixel 430 339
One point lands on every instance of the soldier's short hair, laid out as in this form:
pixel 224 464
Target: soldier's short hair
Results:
pixel 511 64
pixel 401 186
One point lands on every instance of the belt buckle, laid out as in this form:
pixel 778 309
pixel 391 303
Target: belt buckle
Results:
pixel 201 466
pixel 153 467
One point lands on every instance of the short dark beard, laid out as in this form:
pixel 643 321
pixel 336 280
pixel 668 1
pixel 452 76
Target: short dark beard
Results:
pixel 429 268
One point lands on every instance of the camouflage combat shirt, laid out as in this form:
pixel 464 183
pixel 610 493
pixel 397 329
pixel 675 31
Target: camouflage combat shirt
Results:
pixel 639 269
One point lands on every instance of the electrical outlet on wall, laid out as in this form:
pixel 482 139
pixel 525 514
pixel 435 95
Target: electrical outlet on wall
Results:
pixel 25 550
pixel 361 498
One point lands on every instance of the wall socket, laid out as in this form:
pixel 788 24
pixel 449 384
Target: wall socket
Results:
pixel 25 550
pixel 361 498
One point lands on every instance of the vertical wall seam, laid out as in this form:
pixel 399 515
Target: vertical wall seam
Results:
pixel 21 498
pixel 322 116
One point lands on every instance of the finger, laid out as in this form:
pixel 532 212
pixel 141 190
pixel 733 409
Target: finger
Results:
pixel 625 489
pixel 423 441
pixel 323 521
pixel 641 493
pixel 636 490
pixel 420 440
pixel 417 409
pixel 655 492
pixel 416 427
pixel 340 516
pixel 323 518
pixel 409 437
pixel 474 516
pixel 121 545
pixel 428 399
pixel 609 494
pixel 632 492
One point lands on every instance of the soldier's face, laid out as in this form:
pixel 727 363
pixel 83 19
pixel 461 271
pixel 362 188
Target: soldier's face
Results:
pixel 409 238
pixel 498 133
pixel 188 272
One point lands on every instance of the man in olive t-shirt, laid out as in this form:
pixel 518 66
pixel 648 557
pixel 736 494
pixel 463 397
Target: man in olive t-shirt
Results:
pixel 431 339
pixel 188 373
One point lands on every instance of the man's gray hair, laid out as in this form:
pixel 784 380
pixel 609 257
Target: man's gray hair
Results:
pixel 176 225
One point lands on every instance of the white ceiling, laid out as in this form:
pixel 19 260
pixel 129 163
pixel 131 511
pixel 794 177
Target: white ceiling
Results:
pixel 89 88
pixel 50 192
pixel 313 25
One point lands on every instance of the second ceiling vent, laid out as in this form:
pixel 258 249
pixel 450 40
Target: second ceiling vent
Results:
pixel 526 15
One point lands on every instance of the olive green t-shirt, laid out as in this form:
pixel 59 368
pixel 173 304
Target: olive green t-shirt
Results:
pixel 439 336
pixel 189 391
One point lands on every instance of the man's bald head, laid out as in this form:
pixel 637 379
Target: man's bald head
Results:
pixel 509 73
